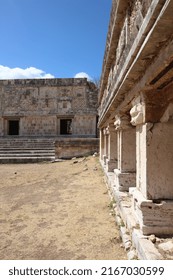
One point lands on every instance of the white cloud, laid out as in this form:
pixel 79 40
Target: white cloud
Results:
pixel 83 75
pixel 19 73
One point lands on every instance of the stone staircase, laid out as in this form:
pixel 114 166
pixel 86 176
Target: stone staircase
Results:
pixel 26 150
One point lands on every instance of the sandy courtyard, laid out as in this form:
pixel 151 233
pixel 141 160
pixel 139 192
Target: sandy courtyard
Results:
pixel 56 211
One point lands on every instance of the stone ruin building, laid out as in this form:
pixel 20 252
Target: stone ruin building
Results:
pixel 44 119
pixel 136 116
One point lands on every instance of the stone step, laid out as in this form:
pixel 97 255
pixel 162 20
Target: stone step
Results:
pixel 5 160
pixel 26 141
pixel 23 150
pixel 19 142
pixel 27 150
pixel 26 155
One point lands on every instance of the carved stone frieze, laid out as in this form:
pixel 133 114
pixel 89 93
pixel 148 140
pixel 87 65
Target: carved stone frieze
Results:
pixel 122 122
pixel 106 131
pixel 110 128
pixel 137 114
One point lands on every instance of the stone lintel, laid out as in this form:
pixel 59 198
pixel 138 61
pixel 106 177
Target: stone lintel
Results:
pixel 124 181
pixel 147 108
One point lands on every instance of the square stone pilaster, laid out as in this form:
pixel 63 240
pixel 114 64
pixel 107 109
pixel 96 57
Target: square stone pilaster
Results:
pixel 105 149
pixel 125 173
pixel 101 144
pixel 153 197
pixel 111 162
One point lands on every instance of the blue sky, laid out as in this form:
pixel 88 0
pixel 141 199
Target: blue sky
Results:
pixel 52 38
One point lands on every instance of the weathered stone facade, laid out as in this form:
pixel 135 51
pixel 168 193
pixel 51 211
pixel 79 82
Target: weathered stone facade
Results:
pixel 48 108
pixel 136 101
pixel 40 106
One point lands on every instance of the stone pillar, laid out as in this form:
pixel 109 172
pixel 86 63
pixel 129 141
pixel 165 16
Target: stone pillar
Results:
pixel 58 126
pixel 1 126
pixel 21 126
pixel 105 155
pixel 112 148
pixel 101 144
pixel 125 173
pixel 5 127
pixel 153 197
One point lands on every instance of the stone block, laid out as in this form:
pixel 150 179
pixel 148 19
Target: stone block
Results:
pixel 155 217
pixel 124 181
pixel 70 147
pixel 145 248
pixel 167 246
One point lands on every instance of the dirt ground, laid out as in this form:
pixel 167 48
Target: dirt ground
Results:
pixel 57 211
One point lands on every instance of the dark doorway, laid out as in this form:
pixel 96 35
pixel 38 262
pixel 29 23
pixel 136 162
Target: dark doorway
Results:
pixel 66 126
pixel 13 127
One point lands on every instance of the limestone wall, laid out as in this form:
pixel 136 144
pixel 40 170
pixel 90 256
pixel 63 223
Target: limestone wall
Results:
pixel 68 148
pixel 39 105
pixel 38 125
pixel 1 127
pixel 84 124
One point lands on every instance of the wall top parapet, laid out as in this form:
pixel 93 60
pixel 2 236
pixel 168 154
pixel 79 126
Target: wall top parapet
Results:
pixel 46 82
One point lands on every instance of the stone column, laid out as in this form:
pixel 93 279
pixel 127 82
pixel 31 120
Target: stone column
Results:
pixel 111 162
pixel 2 126
pixel 125 174
pixel 58 126
pixel 105 155
pixel 21 126
pixel 153 197
pixel 101 144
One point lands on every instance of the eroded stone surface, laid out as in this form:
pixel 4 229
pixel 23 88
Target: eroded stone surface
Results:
pixel 137 92
pixel 41 107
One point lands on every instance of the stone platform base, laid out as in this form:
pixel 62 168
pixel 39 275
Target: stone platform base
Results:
pixel 136 244
pixel 69 147
pixel 154 217
pixel 124 181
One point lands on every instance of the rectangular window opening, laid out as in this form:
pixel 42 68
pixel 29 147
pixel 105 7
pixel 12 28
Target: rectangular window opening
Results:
pixel 66 126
